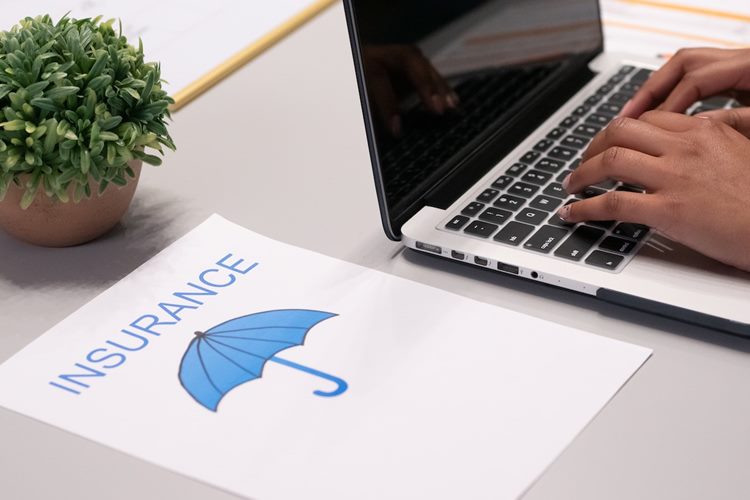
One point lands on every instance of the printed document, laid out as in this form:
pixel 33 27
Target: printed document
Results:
pixel 277 373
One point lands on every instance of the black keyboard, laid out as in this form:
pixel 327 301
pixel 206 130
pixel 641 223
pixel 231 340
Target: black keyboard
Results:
pixel 519 207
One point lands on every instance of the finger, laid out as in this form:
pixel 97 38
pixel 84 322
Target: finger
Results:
pixel 451 99
pixel 418 71
pixel 620 164
pixel 738 119
pixel 386 103
pixel 616 205
pixel 673 122
pixel 631 134
pixel 707 81
pixel 661 82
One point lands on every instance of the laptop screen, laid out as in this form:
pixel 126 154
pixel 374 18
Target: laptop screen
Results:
pixel 439 78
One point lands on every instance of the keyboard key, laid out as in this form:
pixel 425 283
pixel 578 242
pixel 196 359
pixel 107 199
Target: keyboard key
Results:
pixel 593 100
pixel 531 216
pixel 574 142
pixel 514 233
pixel 556 133
pixel 495 215
pixel 620 98
pixel 530 157
pixel 523 189
pixel 590 192
pixel 587 130
pixel 546 239
pixel 604 224
pixel 641 76
pixel 579 243
pixel 457 223
pixel 509 202
pixel 636 189
pixel 502 182
pixel 605 89
pixel 606 185
pixel 598 120
pixel 605 260
pixel 633 231
pixel 626 70
pixel 483 229
pixel 473 209
pixel 488 195
pixel 575 164
pixel 556 190
pixel 617 79
pixel 631 87
pixel 562 153
pixel 537 177
pixel 544 145
pixel 609 108
pixel 581 110
pixel 550 165
pixel 569 121
pixel 619 245
pixel 516 169
pixel 547 203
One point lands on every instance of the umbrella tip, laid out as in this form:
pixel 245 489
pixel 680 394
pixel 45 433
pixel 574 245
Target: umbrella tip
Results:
pixel 200 334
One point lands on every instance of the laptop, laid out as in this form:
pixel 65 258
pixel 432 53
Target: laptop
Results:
pixel 476 110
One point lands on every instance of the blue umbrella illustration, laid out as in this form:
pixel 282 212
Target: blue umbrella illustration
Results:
pixel 236 351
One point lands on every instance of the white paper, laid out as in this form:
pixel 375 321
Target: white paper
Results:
pixel 190 37
pixel 447 397
pixel 659 28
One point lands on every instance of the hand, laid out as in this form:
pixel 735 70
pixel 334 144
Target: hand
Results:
pixel 386 64
pixel 696 172
pixel 692 75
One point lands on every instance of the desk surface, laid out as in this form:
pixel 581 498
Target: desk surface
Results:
pixel 286 156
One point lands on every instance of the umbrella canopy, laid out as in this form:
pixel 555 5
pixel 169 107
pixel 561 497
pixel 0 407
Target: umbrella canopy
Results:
pixel 236 351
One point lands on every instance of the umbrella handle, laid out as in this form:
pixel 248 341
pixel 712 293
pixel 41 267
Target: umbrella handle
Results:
pixel 341 383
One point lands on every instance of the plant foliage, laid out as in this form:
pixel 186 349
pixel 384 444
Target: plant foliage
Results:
pixel 77 102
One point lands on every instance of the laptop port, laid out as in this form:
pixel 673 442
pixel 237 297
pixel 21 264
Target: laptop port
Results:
pixel 458 255
pixel 480 261
pixel 429 248
pixel 507 268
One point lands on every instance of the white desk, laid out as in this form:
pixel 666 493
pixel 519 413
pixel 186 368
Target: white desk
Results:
pixel 280 148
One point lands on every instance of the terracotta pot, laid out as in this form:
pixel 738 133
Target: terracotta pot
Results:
pixel 49 222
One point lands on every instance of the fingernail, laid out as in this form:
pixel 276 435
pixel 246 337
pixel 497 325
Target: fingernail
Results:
pixel 627 108
pixel 452 101
pixel 564 213
pixel 396 126
pixel 437 104
pixel 566 182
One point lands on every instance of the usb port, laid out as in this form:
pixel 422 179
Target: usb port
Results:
pixel 429 248
pixel 458 255
pixel 480 261
pixel 507 268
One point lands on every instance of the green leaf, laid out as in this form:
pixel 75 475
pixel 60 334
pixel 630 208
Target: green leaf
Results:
pixel 61 92
pixel 28 197
pixel 14 126
pixel 36 88
pixel 108 136
pixel 45 104
pixel 85 161
pixel 111 122
pixel 100 82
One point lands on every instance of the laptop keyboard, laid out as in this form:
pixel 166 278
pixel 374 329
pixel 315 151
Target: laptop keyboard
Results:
pixel 518 209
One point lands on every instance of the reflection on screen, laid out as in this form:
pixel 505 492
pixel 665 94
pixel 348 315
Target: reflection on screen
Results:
pixel 442 75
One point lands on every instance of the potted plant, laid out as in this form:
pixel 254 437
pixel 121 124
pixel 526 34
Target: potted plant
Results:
pixel 79 111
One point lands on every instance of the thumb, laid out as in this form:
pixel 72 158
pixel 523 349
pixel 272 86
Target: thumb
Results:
pixel 738 119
